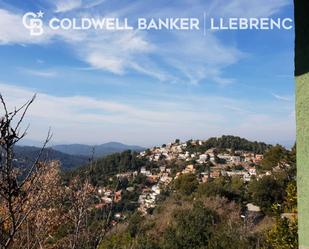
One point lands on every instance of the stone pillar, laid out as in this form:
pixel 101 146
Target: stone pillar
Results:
pixel 302 117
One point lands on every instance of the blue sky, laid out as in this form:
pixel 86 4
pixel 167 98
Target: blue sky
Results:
pixel 150 87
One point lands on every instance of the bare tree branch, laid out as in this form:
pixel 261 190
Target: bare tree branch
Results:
pixel 34 164
pixel 26 107
pixel 14 197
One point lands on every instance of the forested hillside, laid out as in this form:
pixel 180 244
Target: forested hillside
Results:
pixel 26 155
pixel 100 170
pixel 231 142
pixel 97 150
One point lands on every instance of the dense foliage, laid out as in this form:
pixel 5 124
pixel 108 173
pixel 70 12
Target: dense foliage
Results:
pixel 186 184
pixel 231 142
pixel 265 192
pixel 232 188
pixel 99 171
pixel 274 156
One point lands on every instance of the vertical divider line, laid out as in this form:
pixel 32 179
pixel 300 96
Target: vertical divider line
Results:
pixel 204 23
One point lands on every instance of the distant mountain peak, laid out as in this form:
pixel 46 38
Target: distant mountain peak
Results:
pixel 100 150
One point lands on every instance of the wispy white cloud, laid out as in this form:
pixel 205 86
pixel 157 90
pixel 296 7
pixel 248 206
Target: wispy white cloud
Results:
pixel 94 120
pixel 105 62
pixel 62 6
pixel 114 51
pixel 70 116
pixel 207 55
pixel 40 73
pixel 13 31
pixel 283 98
pixel 237 109
pixel 67 5
pixel 92 3
pixel 244 8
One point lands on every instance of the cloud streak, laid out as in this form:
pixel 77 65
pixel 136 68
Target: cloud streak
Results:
pixel 67 5
pixel 40 73
pixel 70 5
pixel 91 120
pixel 282 98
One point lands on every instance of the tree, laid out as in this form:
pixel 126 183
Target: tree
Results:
pixel 186 184
pixel 291 197
pixel 229 235
pixel 230 188
pixel 117 241
pixel 20 188
pixel 135 224
pixel 283 235
pixel 46 218
pixel 215 187
pixel 273 157
pixel 265 192
pixel 234 143
pixel 192 228
pixel 79 197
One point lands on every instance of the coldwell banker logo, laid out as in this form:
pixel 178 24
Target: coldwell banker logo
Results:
pixel 33 22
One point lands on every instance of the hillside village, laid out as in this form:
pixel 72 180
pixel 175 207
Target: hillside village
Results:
pixel 205 165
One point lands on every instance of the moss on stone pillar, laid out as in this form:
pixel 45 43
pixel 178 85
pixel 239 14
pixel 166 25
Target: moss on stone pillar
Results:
pixel 302 116
pixel 302 104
